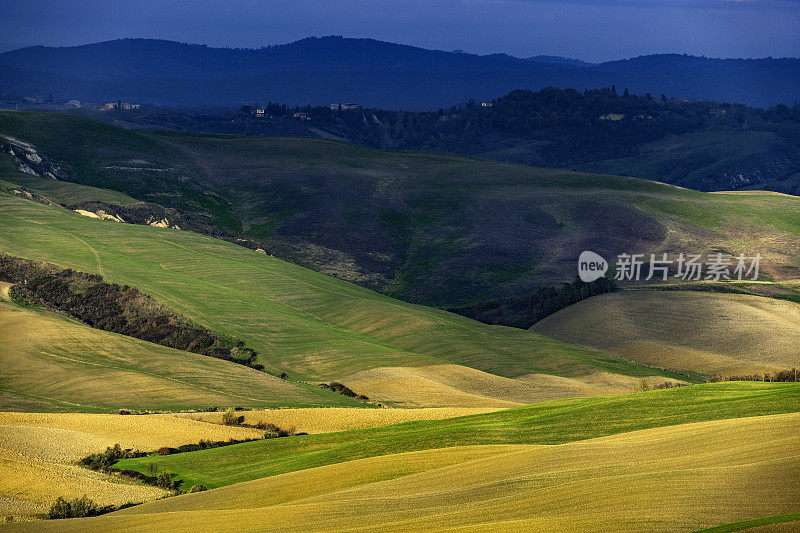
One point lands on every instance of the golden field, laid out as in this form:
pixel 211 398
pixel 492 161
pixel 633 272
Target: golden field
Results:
pixel 713 333
pixel 328 419
pixel 38 452
pixel 677 478
pixel 455 385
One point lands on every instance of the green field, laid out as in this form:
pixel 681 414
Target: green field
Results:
pixel 435 229
pixel 544 423
pixel 784 522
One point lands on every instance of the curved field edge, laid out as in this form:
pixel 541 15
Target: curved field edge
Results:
pixel 753 523
pixel 553 422
pixel 675 478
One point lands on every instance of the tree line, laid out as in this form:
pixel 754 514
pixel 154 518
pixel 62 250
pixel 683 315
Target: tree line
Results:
pixel 524 311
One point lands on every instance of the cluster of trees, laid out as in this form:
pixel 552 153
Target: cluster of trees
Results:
pixel 120 309
pixel 202 445
pixel 76 508
pixel 644 386
pixel 230 418
pixel 271 431
pixel 344 390
pixel 525 311
pixel 782 376
pixel 162 480
pixel 104 461
pixel 81 508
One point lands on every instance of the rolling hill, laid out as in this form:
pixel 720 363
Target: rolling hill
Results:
pixel 717 334
pixel 554 422
pixel 725 450
pixel 678 478
pixel 712 160
pixel 381 74
pixel 701 145
pixel 38 452
pixel 572 450
pixel 435 229
pixel 309 325
pixel 56 364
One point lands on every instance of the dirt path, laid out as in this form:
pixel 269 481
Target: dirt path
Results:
pixel 4 287
pixel 91 249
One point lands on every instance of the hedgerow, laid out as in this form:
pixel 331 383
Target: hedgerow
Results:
pixel 120 309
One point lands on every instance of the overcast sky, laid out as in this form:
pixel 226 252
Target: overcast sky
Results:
pixel 593 30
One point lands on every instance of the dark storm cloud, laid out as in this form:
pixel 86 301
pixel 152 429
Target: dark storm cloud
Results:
pixel 586 29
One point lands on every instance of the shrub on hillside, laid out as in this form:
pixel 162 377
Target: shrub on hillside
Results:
pixel 81 508
pixel 670 385
pixel 164 480
pixel 120 309
pixel 229 418
pixel 77 508
pixel 198 488
pixel 271 431
pixel 166 450
pixel 792 375
pixel 105 460
pixel 344 390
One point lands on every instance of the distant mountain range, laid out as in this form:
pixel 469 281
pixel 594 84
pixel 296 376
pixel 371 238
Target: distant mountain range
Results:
pixel 560 60
pixel 366 71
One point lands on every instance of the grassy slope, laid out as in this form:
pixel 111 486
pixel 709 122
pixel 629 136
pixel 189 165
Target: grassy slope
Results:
pixel 676 478
pixel 55 364
pixel 58 191
pixel 318 328
pixel 545 423
pixel 722 334
pixel 432 228
pixel 308 324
